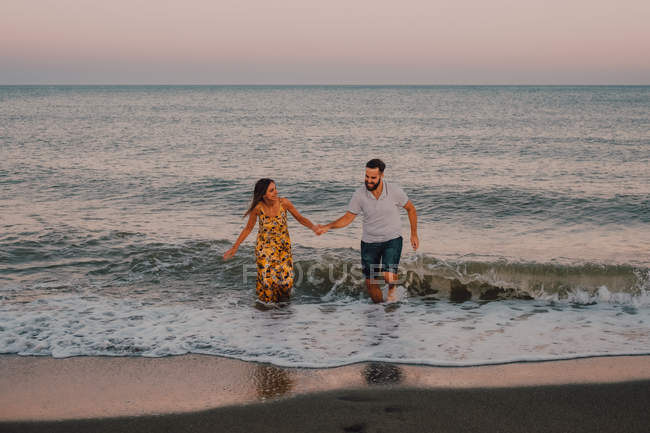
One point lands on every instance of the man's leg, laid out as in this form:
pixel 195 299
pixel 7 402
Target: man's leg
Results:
pixel 374 291
pixel 392 280
pixel 390 259
pixel 370 259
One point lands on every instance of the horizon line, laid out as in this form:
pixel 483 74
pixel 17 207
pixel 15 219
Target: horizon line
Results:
pixel 316 85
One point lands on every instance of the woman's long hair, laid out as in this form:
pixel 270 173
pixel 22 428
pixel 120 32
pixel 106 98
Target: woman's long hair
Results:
pixel 258 193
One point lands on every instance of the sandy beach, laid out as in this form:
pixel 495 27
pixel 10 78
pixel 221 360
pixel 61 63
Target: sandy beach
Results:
pixel 207 393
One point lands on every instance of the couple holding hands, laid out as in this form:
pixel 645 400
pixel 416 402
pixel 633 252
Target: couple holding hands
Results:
pixel 381 241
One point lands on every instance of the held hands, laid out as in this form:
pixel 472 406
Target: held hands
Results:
pixel 320 229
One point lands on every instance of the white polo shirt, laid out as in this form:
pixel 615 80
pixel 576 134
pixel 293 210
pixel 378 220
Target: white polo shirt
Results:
pixel 381 217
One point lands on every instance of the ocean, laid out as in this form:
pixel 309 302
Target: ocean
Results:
pixel 118 202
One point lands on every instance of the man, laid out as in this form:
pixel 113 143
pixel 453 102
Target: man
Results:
pixel 381 241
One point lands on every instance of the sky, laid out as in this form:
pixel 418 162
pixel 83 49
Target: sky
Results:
pixel 325 42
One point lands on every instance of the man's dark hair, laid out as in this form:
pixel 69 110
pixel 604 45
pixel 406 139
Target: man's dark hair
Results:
pixel 376 163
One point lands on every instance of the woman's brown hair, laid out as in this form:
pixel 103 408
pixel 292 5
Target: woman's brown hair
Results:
pixel 258 193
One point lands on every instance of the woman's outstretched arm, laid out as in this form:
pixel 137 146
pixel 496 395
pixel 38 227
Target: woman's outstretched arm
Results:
pixel 244 234
pixel 286 203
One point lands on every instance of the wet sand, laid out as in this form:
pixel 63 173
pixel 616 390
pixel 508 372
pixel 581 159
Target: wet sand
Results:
pixel 207 393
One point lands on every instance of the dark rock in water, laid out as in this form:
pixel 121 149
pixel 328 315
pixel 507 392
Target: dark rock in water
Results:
pixel 458 292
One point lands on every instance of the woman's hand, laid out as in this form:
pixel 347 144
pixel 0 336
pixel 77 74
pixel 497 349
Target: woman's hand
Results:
pixel 228 254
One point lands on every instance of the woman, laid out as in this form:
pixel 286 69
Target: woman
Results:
pixel 273 249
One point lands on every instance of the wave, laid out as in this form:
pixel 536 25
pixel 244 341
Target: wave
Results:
pixel 581 283
pixel 125 258
pixel 488 281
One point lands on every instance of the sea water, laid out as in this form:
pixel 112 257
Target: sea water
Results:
pixel 117 204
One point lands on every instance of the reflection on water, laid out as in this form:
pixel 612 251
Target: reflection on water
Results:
pixel 377 373
pixel 271 382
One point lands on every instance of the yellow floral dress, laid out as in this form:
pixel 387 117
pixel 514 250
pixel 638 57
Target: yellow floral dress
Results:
pixel 273 257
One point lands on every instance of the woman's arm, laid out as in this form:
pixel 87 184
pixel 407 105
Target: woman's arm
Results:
pixel 286 203
pixel 244 234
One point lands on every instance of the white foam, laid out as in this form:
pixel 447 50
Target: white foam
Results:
pixel 328 334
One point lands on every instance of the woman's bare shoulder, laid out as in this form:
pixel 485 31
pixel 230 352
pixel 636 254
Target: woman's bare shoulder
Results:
pixel 285 202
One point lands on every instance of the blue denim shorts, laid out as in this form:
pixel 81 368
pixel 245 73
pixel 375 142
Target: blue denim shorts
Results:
pixel 379 257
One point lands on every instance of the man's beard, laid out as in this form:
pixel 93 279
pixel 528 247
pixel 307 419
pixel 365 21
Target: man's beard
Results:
pixel 369 188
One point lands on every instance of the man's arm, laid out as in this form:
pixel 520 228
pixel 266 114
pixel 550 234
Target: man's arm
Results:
pixel 413 219
pixel 339 223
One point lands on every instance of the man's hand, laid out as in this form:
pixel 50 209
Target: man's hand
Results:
pixel 415 242
pixel 413 220
pixel 228 254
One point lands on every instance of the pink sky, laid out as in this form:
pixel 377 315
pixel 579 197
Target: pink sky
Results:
pixel 334 42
